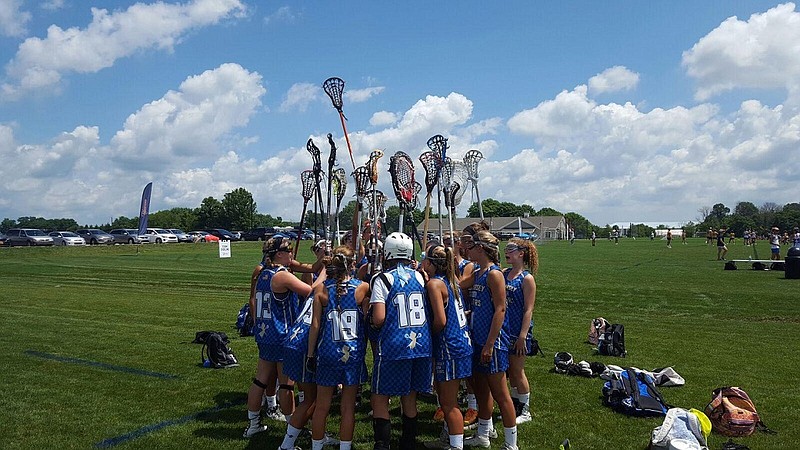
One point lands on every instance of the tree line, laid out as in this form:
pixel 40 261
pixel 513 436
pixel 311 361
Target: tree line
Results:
pixel 747 216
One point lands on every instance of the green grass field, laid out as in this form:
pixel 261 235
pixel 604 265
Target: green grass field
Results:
pixel 96 351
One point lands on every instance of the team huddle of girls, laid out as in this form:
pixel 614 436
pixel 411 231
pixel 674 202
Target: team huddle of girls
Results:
pixel 454 316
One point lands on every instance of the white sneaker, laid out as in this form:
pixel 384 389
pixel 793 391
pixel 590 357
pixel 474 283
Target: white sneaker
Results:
pixel 293 448
pixel 524 417
pixel 477 441
pixel 329 440
pixel 507 446
pixel 274 413
pixel 253 430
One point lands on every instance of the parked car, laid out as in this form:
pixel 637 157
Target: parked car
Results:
pixel 182 237
pixel 258 234
pixel 159 236
pixel 3 239
pixel 66 238
pixel 27 236
pixel 94 236
pixel 125 236
pixel 203 236
pixel 222 233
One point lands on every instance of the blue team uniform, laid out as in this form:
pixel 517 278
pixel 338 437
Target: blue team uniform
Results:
pixel 296 345
pixel 275 314
pixel 402 346
pixel 481 322
pixel 515 307
pixel 342 341
pixel 452 347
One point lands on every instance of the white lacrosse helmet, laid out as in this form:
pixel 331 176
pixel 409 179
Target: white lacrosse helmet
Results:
pixel 398 246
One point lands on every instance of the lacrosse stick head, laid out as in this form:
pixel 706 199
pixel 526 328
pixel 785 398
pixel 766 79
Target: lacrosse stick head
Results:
pixel 380 201
pixel 309 182
pixel 415 190
pixel 451 193
pixel 314 151
pixel 339 184
pixel 432 165
pixel 438 145
pixel 372 165
pixel 401 168
pixel 471 160
pixel 334 87
pixel 362 179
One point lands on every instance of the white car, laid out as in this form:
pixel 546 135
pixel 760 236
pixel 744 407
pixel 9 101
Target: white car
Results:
pixel 66 238
pixel 158 236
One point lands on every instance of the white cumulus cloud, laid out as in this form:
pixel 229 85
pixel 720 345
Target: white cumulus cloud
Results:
pixel 614 79
pixel 362 95
pixel 13 21
pixel 300 95
pixel 761 52
pixel 40 63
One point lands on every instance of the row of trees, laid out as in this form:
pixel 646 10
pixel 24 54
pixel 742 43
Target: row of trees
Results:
pixel 747 216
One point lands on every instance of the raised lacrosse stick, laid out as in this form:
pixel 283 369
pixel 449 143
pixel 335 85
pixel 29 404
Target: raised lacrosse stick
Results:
pixel 331 163
pixel 362 179
pixel 334 87
pixel 412 205
pixel 401 168
pixel 471 160
pixel 374 205
pixel 308 180
pixel 339 187
pixel 438 145
pixel 431 163
pixel 318 174
pixel 373 179
pixel 448 170
pixel 458 176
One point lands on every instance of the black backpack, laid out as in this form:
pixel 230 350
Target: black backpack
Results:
pixel 612 341
pixel 216 351
pixel 635 394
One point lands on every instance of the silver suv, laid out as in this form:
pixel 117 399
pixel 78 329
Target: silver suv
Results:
pixel 27 236
pixel 95 236
pixel 125 236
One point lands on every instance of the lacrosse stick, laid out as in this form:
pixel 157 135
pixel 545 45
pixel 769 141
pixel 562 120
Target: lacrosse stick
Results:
pixel 339 187
pixel 412 205
pixel 308 180
pixel 331 163
pixel 373 179
pixel 402 171
pixel 447 186
pixel 362 179
pixel 431 163
pixel 438 145
pixel 318 174
pixel 334 87
pixel 471 160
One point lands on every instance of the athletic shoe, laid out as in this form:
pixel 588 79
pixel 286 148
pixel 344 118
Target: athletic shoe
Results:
pixel 293 448
pixel 470 418
pixel 329 440
pixel 493 434
pixel 438 416
pixel 275 413
pixel 253 430
pixel 507 446
pixel 524 417
pixel 477 441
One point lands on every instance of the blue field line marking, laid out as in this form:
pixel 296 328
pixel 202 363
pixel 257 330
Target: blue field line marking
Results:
pixel 106 366
pixel 111 442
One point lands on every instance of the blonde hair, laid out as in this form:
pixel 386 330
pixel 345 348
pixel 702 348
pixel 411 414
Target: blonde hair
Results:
pixel 530 253
pixel 489 244
pixel 338 268
pixel 444 262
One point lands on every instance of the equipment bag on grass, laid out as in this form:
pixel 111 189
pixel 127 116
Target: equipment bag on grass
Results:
pixel 216 351
pixel 681 429
pixel 633 393
pixel 732 413
pixel 596 328
pixel 244 321
pixel 612 341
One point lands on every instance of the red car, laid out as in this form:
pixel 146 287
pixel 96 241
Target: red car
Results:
pixel 203 236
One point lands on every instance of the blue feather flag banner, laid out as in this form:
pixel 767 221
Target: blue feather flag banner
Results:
pixel 144 209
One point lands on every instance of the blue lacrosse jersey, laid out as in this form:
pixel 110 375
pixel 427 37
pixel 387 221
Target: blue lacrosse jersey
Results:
pixel 342 338
pixel 515 303
pixel 483 312
pixel 274 316
pixel 405 333
pixel 298 335
pixel 454 340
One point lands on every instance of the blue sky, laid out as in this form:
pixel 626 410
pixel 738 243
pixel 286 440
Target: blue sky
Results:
pixel 620 111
